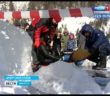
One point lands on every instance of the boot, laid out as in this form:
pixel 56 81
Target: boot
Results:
pixel 101 63
pixel 97 66
pixel 36 67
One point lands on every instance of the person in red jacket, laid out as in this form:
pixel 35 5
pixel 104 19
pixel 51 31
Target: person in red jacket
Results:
pixel 44 30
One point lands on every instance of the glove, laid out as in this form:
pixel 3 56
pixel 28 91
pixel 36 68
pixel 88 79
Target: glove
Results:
pixel 92 50
pixel 45 51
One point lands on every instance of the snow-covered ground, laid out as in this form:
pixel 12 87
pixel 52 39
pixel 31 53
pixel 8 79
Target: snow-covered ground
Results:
pixel 64 78
pixel 15 47
pixel 57 78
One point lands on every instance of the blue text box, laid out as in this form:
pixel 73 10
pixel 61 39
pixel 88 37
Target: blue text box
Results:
pixel 22 83
pixel 21 77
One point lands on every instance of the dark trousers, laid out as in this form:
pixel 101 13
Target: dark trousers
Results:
pixel 57 49
pixel 35 55
pixel 99 59
pixel 94 57
pixel 39 57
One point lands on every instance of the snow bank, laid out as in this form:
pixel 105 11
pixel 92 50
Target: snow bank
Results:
pixel 15 53
pixel 107 89
pixel 16 90
pixel 62 78
pixel 15 49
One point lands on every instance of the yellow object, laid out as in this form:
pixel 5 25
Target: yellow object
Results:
pixel 80 54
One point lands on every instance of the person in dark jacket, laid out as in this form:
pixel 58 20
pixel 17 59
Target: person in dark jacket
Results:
pixel 57 43
pixel 44 30
pixel 97 44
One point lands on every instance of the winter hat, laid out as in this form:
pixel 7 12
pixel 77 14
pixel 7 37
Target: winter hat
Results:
pixel 65 32
pixel 71 36
pixel 87 29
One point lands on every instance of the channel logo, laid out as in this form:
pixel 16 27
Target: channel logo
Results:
pixel 99 8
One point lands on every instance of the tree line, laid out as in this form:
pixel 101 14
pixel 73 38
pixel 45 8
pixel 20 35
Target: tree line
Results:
pixel 34 5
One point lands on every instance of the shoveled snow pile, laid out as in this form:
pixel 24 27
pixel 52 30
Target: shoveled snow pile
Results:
pixel 65 78
pixel 15 54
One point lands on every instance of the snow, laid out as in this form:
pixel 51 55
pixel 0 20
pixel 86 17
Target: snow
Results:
pixel 62 77
pixel 107 89
pixel 15 54
pixel 108 61
pixel 16 90
pixel 58 78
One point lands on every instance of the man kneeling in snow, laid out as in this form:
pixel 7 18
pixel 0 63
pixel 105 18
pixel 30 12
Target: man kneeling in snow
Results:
pixel 97 44
pixel 43 33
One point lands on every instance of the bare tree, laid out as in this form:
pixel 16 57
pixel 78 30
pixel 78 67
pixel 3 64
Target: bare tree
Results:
pixel 11 6
pixel 32 5
pixel 4 6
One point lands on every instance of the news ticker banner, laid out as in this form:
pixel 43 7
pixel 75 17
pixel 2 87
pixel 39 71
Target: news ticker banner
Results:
pixel 19 80
pixel 95 11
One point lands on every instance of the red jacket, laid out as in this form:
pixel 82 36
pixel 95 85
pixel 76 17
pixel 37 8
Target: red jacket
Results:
pixel 39 30
pixel 37 35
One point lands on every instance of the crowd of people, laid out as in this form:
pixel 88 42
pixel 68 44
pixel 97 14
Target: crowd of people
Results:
pixel 49 44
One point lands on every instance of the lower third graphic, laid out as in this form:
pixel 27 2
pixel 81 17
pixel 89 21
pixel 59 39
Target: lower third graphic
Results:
pixel 19 80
